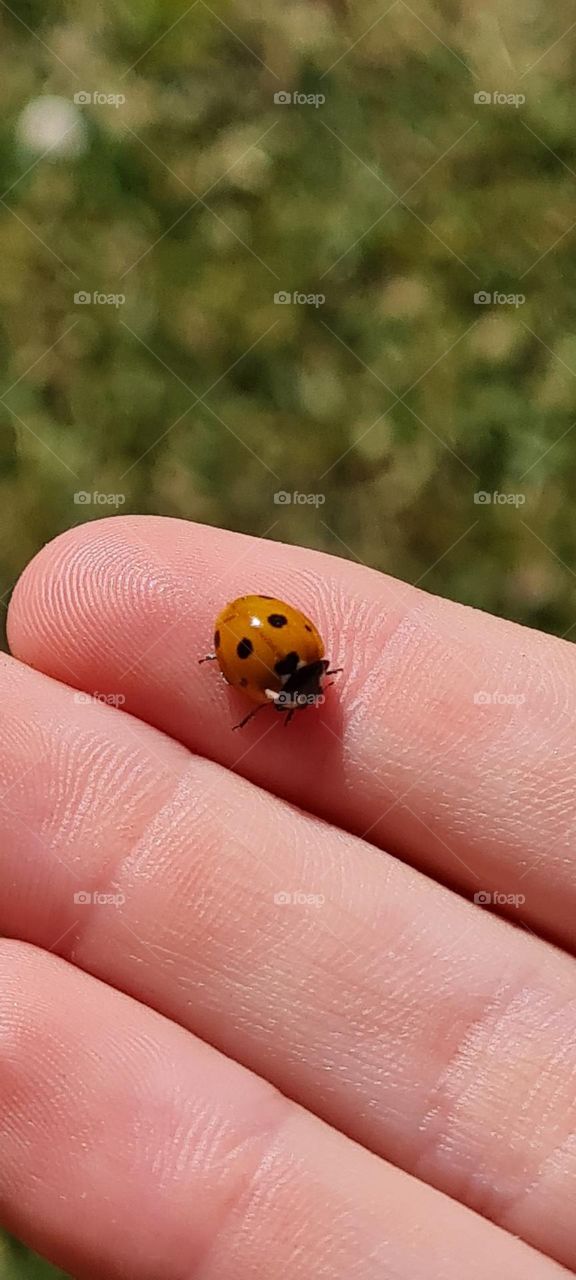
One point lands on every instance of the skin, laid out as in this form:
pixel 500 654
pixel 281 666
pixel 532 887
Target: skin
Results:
pixel 207 1082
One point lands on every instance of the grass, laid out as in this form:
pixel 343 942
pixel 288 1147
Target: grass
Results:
pixel 18 1263
pixel 394 400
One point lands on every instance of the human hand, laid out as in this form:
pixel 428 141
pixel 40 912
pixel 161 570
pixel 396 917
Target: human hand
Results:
pixel 387 1058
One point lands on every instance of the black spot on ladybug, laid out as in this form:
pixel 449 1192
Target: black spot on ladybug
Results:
pixel 216 639
pixel 244 648
pixel 243 682
pixel 287 666
pixel 277 620
pixel 306 627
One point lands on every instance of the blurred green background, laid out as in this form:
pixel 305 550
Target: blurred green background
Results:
pixel 430 157
pixel 17 1263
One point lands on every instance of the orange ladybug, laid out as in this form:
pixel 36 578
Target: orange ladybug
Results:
pixel 271 651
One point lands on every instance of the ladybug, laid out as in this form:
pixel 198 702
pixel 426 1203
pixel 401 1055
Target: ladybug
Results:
pixel 272 651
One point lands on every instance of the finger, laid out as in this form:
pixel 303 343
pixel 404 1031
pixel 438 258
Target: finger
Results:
pixel 379 1000
pixel 479 794
pixel 128 1148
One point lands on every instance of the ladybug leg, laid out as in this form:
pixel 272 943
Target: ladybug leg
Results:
pixel 210 657
pixel 334 671
pixel 289 716
pixel 260 707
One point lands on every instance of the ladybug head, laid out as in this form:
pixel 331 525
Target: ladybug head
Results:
pixel 303 688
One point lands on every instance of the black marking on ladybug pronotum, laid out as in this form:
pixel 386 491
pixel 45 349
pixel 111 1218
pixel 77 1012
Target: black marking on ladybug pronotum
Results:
pixel 287 665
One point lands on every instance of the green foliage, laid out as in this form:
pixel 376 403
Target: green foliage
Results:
pixel 200 197
pixel 396 399
pixel 18 1263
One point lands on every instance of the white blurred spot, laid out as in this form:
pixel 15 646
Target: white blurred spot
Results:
pixel 52 124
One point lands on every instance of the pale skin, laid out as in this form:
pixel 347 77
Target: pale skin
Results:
pixel 372 1080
